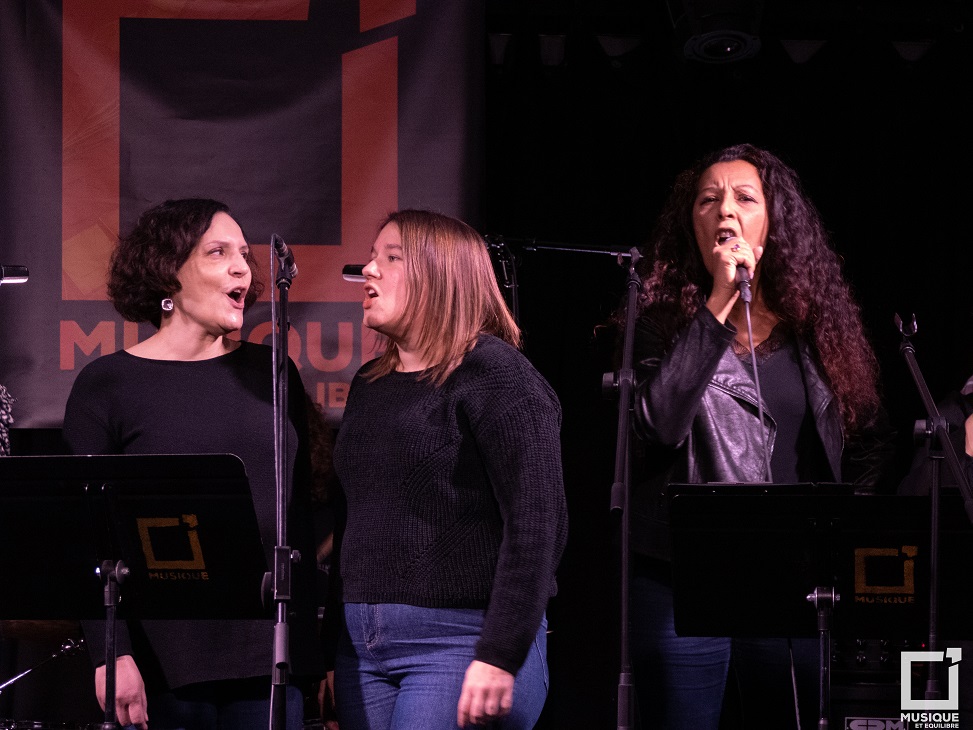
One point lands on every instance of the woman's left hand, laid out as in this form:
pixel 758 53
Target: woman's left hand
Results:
pixel 326 703
pixel 487 695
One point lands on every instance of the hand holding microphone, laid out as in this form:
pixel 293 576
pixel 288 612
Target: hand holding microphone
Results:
pixel 743 282
pixel 742 273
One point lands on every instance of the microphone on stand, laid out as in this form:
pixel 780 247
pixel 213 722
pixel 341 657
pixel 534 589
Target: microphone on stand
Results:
pixel 353 273
pixel 285 257
pixel 13 274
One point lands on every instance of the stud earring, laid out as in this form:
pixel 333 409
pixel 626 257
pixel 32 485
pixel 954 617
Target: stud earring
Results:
pixel 167 305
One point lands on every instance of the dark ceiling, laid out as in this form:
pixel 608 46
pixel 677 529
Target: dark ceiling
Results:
pixel 600 102
pixel 672 22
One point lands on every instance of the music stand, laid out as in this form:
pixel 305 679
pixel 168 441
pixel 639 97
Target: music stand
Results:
pixel 175 535
pixel 747 561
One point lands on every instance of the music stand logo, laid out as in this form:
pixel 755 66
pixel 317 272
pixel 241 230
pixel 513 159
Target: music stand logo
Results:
pixel 171 548
pixel 885 575
pixel 931 713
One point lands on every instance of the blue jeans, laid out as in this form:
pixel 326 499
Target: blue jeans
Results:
pixel 680 681
pixel 402 667
pixel 225 705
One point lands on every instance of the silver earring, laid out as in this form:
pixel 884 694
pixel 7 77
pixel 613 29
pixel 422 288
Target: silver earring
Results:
pixel 167 305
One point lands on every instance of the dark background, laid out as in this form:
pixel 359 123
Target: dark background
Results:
pixel 582 146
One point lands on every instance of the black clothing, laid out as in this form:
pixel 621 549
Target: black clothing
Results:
pixel 123 404
pixel 696 409
pixel 6 420
pixel 955 408
pixel 455 495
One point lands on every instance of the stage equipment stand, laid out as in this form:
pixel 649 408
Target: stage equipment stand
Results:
pixel 620 384
pixel 505 269
pixel 624 383
pixel 935 431
pixel 801 522
pixel 284 556
pixel 68 647
pixel 824 537
pixel 824 599
pixel 181 532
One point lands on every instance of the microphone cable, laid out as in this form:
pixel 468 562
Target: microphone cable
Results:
pixel 756 382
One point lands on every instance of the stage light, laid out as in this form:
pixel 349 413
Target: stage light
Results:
pixel 716 31
pixel 801 51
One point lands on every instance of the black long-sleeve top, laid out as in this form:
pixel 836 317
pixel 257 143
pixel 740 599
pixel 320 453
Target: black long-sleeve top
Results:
pixel 455 494
pixel 123 404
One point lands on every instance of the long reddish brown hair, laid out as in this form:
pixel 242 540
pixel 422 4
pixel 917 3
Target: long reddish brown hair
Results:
pixel 452 295
pixel 801 279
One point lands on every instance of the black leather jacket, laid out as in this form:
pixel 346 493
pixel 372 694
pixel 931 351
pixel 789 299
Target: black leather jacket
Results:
pixel 696 412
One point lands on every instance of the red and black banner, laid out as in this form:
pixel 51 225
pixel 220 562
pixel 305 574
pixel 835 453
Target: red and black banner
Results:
pixel 311 119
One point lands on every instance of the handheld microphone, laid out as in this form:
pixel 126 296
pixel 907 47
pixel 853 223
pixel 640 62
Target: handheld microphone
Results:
pixel 743 282
pixel 13 274
pixel 353 272
pixel 742 275
pixel 285 257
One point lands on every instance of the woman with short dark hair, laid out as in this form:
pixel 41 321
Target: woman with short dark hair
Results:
pixel 193 388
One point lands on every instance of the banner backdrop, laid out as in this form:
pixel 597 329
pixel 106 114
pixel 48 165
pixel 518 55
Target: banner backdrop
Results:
pixel 311 119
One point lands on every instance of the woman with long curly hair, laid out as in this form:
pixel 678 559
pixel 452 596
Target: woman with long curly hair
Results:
pixel 817 418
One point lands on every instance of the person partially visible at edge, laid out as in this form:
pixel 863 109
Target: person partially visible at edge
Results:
pixel 696 410
pixel 448 456
pixel 6 420
pixel 192 388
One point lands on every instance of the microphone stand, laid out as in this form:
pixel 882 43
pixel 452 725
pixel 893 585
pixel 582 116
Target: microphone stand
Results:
pixel 506 267
pixel 624 382
pixel 67 648
pixel 283 556
pixel 112 575
pixel 935 428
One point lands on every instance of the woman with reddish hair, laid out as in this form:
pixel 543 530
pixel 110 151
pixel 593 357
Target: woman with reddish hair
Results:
pixel 700 354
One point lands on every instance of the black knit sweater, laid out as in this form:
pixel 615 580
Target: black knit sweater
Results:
pixel 455 495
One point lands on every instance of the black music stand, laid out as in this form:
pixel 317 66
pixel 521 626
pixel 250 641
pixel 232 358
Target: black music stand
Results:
pixel 760 561
pixel 149 537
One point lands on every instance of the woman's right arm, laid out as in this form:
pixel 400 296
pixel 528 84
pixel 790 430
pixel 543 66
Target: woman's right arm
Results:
pixel 671 382
pixel 87 431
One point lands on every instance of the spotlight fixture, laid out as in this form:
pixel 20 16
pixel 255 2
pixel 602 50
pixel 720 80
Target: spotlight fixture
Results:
pixel 716 31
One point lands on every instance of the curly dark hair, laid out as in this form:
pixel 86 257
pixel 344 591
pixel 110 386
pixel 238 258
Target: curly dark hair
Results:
pixel 801 278
pixel 145 263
